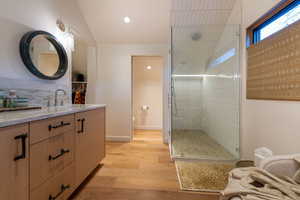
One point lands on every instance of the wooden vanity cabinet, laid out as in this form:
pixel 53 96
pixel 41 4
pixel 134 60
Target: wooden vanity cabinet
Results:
pixel 48 159
pixel 14 163
pixel 90 142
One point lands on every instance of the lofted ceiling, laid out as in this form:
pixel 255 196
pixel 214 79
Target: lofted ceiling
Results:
pixel 150 20
pixel 202 4
pixel 205 17
pixel 198 12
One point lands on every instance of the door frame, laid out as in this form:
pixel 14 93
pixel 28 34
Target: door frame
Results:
pixel 166 94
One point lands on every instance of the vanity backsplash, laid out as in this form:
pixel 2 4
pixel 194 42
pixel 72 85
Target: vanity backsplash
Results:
pixel 37 92
pixel 38 97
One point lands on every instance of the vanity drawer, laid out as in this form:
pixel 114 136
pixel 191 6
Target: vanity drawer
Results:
pixel 41 130
pixel 49 157
pixel 59 187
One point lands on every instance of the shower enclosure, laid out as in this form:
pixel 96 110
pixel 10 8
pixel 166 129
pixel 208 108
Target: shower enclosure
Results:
pixel 205 92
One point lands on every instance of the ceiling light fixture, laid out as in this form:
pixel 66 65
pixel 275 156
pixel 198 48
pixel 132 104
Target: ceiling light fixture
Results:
pixel 127 20
pixel 149 67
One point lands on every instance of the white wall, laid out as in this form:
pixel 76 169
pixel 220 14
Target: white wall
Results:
pixel 79 58
pixel 148 91
pixel 92 69
pixel 114 85
pixel 17 18
pixel 273 124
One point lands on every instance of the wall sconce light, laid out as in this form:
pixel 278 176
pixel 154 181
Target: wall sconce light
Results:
pixel 65 36
pixel 70 41
pixel 61 25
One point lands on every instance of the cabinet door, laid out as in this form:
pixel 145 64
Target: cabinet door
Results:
pixel 14 163
pixel 96 128
pixel 82 158
pixel 90 142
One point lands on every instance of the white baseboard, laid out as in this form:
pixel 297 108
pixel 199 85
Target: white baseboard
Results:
pixel 147 128
pixel 118 138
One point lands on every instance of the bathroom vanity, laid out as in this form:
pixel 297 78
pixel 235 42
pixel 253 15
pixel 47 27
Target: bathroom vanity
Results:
pixel 46 154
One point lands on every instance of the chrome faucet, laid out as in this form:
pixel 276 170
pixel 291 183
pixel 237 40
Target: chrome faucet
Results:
pixel 56 95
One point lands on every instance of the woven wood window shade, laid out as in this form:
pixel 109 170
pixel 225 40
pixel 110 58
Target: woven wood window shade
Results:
pixel 273 71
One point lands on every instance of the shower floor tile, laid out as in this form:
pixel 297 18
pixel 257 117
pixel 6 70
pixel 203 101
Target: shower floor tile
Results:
pixel 197 145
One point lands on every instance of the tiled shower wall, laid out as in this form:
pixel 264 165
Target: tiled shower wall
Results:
pixel 187 103
pixel 220 112
pixel 221 94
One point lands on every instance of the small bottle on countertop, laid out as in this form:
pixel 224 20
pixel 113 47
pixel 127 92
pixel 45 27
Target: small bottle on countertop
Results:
pixel 10 100
pixel 2 98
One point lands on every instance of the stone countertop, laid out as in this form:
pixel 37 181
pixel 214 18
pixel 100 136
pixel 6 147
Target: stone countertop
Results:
pixel 20 117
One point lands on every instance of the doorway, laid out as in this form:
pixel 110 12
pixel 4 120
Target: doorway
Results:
pixel 147 97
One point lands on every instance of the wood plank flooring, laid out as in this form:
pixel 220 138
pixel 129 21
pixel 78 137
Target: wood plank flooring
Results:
pixel 140 170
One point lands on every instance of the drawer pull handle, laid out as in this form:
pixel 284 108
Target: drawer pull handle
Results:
pixel 62 152
pixel 62 124
pixel 79 120
pixel 23 154
pixel 82 125
pixel 63 188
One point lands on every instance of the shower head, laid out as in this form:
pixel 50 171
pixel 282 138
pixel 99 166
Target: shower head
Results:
pixel 196 36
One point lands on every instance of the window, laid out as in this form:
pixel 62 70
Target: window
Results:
pixel 226 56
pixel 280 17
pixel 281 20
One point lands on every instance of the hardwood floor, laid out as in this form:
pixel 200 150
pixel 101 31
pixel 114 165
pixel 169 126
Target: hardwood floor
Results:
pixel 140 170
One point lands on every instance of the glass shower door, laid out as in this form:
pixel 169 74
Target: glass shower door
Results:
pixel 205 92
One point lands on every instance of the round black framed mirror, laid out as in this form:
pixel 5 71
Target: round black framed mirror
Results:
pixel 43 55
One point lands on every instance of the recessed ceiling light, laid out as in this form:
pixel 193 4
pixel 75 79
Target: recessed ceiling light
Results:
pixel 126 20
pixel 149 67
